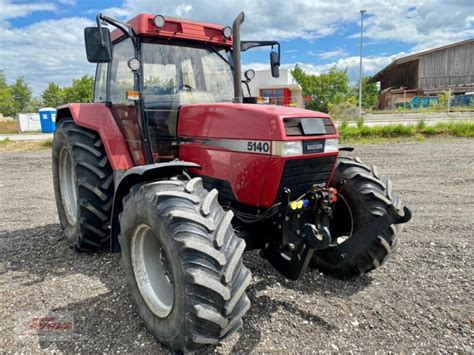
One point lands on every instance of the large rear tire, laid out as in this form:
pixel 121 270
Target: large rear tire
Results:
pixel 83 186
pixel 363 195
pixel 183 263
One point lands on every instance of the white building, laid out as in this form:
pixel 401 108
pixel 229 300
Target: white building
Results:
pixel 283 91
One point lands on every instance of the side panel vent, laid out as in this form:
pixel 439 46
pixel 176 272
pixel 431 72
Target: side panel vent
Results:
pixel 293 126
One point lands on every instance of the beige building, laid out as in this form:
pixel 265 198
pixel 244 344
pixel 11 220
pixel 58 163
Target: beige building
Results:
pixel 283 91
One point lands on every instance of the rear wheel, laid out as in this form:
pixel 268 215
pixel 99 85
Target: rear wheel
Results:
pixel 183 263
pixel 83 186
pixel 363 195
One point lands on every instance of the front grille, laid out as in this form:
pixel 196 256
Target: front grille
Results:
pixel 300 174
pixel 293 126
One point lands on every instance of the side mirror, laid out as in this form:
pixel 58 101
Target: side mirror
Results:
pixel 98 47
pixel 275 64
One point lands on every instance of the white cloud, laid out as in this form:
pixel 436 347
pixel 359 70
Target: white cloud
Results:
pixel 417 22
pixel 45 51
pixel 371 65
pixel 421 23
pixel 183 9
pixel 329 54
pixel 68 2
pixel 10 10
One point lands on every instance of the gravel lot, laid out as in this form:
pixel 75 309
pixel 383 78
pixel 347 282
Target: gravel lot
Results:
pixel 420 301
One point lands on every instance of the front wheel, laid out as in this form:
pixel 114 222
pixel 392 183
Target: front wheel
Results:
pixel 362 196
pixel 83 186
pixel 183 263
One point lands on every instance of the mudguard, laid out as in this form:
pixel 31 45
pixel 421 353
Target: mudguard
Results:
pixel 138 175
pixel 97 117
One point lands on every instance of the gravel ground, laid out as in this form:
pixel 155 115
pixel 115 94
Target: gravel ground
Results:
pixel 421 300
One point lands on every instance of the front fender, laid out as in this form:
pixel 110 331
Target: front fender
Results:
pixel 139 175
pixel 97 117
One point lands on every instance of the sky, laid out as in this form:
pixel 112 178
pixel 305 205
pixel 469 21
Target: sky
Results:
pixel 42 40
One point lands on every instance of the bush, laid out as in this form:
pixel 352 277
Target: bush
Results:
pixel 421 124
pixel 344 111
pixel 418 132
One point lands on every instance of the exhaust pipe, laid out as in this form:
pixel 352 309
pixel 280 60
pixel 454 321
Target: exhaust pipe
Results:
pixel 236 57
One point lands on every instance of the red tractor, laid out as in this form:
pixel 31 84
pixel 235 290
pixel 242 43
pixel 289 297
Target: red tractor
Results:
pixel 173 167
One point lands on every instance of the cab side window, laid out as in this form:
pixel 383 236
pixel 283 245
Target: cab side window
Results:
pixel 121 77
pixel 100 88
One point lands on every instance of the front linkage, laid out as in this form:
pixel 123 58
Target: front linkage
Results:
pixel 304 228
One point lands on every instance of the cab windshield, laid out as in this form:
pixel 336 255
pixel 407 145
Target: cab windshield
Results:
pixel 177 75
pixel 174 76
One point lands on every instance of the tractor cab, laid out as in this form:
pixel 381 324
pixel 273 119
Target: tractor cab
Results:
pixel 152 66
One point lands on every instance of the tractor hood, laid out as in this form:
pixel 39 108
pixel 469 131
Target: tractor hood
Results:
pixel 244 121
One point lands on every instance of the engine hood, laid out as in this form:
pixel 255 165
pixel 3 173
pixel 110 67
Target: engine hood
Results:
pixel 237 121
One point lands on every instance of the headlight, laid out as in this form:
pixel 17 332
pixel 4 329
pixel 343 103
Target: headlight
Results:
pixel 249 74
pixel 286 149
pixel 227 32
pixel 332 145
pixel 159 21
pixel 134 64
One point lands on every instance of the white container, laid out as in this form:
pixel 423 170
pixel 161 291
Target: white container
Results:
pixel 29 122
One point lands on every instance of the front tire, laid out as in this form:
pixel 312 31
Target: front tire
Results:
pixel 363 195
pixel 83 186
pixel 186 275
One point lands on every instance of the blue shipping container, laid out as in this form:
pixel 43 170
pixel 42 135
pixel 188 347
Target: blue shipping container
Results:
pixel 48 119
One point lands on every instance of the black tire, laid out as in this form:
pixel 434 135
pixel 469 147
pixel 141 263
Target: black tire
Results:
pixel 363 196
pixel 204 257
pixel 88 228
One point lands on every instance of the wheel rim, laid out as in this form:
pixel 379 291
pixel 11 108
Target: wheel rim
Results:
pixel 67 183
pixel 151 269
pixel 343 226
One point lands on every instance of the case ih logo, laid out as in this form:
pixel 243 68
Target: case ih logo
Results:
pixel 46 326
pixel 313 146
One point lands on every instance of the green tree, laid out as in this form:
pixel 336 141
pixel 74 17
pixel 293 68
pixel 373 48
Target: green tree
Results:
pixel 33 106
pixel 21 93
pixel 370 93
pixel 53 96
pixel 7 108
pixel 326 90
pixel 82 90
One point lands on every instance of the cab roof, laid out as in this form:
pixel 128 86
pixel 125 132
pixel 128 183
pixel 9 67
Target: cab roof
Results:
pixel 175 28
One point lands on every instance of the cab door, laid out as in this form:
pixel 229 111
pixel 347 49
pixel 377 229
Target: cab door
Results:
pixel 126 112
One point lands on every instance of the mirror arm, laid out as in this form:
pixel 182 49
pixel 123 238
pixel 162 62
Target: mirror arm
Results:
pixel 246 82
pixel 99 25
pixel 126 29
pixel 246 45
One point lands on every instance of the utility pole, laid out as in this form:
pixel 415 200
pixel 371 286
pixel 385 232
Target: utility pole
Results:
pixel 360 69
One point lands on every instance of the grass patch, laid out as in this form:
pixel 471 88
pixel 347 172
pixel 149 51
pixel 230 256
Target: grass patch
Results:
pixel 47 143
pixel 8 127
pixel 7 145
pixel 417 132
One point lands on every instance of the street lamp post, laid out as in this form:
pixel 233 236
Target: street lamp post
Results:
pixel 360 68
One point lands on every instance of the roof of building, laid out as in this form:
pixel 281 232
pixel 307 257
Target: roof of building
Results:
pixel 415 56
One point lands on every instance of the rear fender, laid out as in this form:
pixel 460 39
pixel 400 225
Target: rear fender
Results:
pixel 98 118
pixel 139 175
